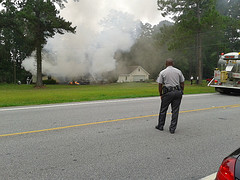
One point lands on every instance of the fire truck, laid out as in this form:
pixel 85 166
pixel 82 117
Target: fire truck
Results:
pixel 227 75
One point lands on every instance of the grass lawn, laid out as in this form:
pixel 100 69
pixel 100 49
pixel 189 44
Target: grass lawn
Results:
pixel 20 95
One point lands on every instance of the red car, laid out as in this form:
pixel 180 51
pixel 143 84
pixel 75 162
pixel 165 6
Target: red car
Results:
pixel 230 167
pixel 209 79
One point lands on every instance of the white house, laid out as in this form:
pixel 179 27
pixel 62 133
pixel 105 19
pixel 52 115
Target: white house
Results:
pixel 133 74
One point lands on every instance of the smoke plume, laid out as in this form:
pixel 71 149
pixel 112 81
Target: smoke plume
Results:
pixel 101 32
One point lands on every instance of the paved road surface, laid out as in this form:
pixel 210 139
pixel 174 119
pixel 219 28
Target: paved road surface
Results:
pixel 117 140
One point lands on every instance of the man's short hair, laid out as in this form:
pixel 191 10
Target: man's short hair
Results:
pixel 169 61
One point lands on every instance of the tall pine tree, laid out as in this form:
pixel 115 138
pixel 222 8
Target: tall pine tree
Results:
pixel 192 19
pixel 42 21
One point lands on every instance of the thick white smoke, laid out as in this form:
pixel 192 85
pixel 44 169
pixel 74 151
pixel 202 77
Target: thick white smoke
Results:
pixel 101 31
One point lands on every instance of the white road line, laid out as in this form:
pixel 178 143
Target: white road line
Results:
pixel 210 177
pixel 74 104
pixel 89 103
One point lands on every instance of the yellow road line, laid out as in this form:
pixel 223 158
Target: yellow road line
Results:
pixel 215 107
pixel 115 120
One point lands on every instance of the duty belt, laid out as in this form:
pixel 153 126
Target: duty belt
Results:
pixel 167 89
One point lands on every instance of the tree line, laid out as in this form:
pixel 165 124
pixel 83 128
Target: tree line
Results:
pixel 202 30
pixel 198 32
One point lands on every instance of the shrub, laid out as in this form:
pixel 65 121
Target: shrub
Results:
pixel 49 81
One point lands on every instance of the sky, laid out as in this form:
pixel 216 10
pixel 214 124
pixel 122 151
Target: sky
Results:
pixel 144 10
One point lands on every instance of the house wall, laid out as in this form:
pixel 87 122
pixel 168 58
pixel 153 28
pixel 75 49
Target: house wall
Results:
pixel 138 71
pixel 140 77
pixel 124 78
pixel 137 75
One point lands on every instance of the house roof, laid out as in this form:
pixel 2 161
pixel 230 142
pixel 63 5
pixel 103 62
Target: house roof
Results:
pixel 130 69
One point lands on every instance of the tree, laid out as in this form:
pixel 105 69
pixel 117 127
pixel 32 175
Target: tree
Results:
pixel 230 9
pixel 178 46
pixel 192 19
pixel 42 21
pixel 13 46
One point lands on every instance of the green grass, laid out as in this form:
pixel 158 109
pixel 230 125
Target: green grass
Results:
pixel 20 95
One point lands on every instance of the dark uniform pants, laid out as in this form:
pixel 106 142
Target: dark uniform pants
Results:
pixel 174 98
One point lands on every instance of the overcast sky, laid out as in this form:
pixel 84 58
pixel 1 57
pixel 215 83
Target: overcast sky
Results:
pixel 144 10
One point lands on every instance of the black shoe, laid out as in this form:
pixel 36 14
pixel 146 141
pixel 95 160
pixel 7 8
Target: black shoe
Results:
pixel 171 131
pixel 159 128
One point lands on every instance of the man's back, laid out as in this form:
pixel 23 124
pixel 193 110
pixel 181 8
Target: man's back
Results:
pixel 170 77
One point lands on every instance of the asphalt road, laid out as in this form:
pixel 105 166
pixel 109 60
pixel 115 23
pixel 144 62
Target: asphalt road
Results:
pixel 116 139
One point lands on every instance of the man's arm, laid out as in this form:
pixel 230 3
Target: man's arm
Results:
pixel 160 86
pixel 182 86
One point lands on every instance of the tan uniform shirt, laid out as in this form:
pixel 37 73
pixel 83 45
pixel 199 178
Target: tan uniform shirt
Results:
pixel 170 77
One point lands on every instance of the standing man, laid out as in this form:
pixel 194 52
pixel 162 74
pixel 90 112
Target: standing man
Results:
pixel 171 86
pixel 191 78
pixel 28 80
pixel 197 80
